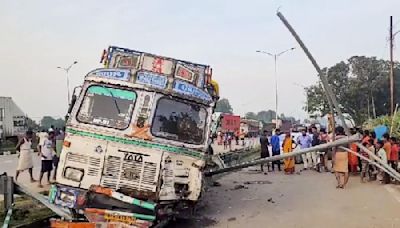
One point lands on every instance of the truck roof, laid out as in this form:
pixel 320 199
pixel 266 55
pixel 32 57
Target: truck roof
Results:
pixel 155 72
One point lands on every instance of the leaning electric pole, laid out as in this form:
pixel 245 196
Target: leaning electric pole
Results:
pixel 391 68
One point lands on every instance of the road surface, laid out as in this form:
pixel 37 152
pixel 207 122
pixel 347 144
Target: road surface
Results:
pixel 8 163
pixel 307 199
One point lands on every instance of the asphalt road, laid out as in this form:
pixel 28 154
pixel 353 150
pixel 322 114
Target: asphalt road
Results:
pixel 8 163
pixel 307 199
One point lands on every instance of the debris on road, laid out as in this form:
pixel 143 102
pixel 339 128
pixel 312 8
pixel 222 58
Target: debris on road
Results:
pixel 258 182
pixel 240 186
pixel 249 199
pixel 216 184
pixel 231 219
pixel 271 200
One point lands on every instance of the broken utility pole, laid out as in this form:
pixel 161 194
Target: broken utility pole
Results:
pixel 340 142
pixel 332 98
pixel 391 37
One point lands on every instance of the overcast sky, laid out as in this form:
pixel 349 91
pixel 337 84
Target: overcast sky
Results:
pixel 38 36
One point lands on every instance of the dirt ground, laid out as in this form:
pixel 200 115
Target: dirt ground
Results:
pixel 307 199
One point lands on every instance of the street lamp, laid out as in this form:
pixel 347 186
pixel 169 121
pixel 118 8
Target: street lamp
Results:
pixel 66 69
pixel 276 55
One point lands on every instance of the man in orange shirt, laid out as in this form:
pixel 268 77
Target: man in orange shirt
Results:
pixel 387 146
pixel 366 137
pixel 394 154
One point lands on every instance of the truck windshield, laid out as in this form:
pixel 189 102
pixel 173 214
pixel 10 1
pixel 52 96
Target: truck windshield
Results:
pixel 107 106
pixel 179 121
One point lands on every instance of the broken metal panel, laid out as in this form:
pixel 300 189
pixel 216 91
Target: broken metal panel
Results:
pixel 182 178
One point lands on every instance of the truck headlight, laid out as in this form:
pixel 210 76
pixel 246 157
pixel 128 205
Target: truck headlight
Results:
pixel 73 174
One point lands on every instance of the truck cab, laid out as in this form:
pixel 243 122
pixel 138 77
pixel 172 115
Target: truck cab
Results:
pixel 137 132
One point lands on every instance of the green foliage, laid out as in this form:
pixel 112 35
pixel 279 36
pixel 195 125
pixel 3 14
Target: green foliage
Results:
pixel 31 124
pixel 48 121
pixel 251 116
pixel 361 86
pixel 224 106
pixel 266 116
pixel 387 121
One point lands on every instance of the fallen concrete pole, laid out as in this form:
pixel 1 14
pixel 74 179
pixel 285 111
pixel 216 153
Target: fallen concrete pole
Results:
pixel 339 142
pixel 394 175
pixel 330 96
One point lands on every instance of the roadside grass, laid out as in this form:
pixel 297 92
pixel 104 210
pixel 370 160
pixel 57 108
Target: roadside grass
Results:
pixel 25 211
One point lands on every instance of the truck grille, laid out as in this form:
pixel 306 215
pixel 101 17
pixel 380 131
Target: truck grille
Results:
pixel 92 164
pixel 129 175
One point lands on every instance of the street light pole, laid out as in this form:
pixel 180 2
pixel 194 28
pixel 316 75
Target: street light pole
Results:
pixel 276 55
pixel 66 69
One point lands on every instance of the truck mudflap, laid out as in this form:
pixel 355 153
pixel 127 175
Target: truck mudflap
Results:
pixel 98 204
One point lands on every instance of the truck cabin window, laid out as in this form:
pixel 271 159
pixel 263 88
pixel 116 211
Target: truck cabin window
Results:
pixel 179 121
pixel 107 106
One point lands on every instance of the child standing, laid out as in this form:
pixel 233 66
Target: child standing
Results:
pixel 383 156
pixel 46 154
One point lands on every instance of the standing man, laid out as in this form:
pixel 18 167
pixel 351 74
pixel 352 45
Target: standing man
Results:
pixel 46 154
pixel 264 149
pixel 304 141
pixel 242 135
pixel 276 148
pixel 324 154
pixel 315 142
pixel 59 140
pixel 387 146
pixel 43 135
pixel 394 154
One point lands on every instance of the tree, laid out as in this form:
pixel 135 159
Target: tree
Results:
pixel 48 121
pixel 360 86
pixel 224 106
pixel 266 116
pixel 251 115
pixel 31 124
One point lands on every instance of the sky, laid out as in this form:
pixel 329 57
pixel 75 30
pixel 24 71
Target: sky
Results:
pixel 38 36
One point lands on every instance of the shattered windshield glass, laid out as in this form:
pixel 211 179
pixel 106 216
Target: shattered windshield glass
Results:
pixel 180 121
pixel 107 106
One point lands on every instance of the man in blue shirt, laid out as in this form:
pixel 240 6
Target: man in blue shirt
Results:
pixel 276 148
pixel 305 141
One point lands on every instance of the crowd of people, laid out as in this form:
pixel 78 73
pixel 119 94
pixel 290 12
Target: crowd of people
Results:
pixel 343 162
pixel 49 145
pixel 228 138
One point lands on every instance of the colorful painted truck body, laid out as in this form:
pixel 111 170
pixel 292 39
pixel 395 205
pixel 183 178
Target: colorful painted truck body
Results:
pixel 138 132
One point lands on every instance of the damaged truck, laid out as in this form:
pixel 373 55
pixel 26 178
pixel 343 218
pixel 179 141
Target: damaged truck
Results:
pixel 136 140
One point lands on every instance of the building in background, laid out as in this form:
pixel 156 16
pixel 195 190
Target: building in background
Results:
pixel 12 119
pixel 251 127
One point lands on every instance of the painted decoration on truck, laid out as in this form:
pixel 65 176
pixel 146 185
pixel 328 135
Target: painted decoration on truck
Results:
pixel 184 72
pixel 157 65
pixel 127 60
pixel 122 75
pixel 141 127
pixel 191 90
pixel 190 72
pixel 151 79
